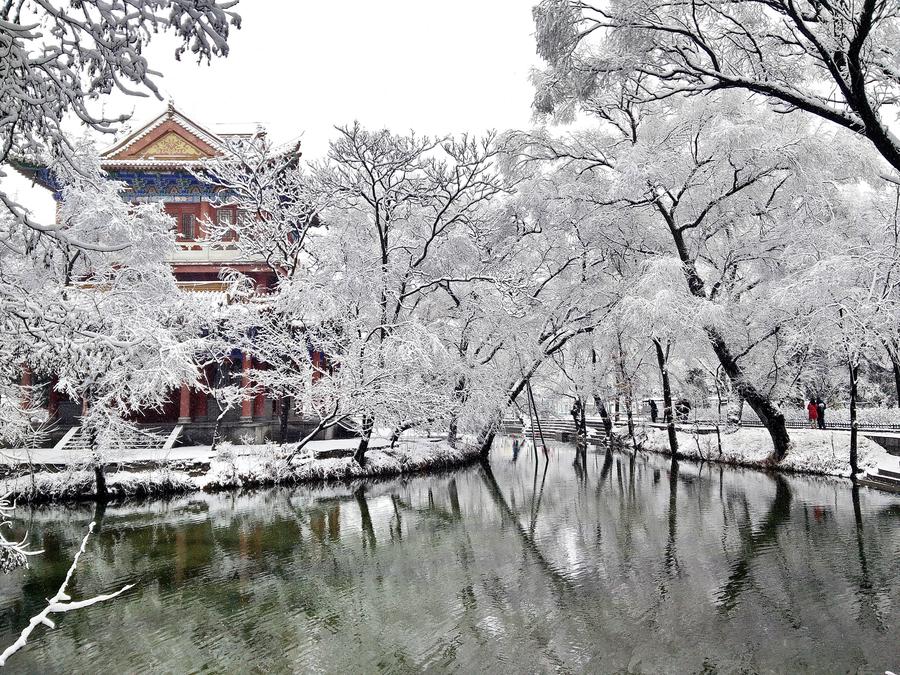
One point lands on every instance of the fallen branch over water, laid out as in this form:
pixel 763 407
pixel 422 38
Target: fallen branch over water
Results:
pixel 59 604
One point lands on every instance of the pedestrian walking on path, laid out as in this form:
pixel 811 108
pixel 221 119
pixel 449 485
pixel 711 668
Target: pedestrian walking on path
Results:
pixel 820 412
pixel 813 411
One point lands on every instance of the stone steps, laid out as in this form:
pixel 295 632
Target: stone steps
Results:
pixel 883 479
pixel 76 440
pixel 889 473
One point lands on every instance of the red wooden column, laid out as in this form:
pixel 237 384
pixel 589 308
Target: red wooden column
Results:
pixel 259 405
pixel 53 401
pixel 259 401
pixel 247 403
pixel 184 405
pixel 26 387
pixel 200 405
pixel 207 213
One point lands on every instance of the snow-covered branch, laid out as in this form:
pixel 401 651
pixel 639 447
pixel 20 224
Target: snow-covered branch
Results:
pixel 60 603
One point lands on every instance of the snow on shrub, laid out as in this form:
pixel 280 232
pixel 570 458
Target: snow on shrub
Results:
pixel 77 484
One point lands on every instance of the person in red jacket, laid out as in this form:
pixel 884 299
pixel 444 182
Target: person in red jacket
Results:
pixel 813 411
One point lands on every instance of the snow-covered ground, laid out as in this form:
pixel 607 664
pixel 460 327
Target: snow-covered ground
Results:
pixel 241 466
pixel 812 451
pixel 194 468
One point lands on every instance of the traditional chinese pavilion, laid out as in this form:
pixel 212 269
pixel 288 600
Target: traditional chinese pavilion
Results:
pixel 155 162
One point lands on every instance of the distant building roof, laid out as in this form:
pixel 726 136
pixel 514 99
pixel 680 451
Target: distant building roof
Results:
pixel 170 142
pixel 171 135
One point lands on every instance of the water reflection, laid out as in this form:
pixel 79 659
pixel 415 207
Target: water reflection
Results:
pixel 756 541
pixel 587 562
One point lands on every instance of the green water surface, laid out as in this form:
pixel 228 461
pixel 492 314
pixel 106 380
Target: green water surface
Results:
pixel 614 564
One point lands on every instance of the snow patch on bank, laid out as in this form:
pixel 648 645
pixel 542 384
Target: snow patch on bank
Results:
pixel 268 465
pixel 816 452
pixel 80 484
pixel 237 467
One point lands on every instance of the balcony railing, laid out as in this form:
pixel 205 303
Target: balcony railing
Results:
pixel 203 251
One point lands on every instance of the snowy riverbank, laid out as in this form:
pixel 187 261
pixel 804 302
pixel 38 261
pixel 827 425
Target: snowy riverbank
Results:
pixel 236 467
pixel 815 452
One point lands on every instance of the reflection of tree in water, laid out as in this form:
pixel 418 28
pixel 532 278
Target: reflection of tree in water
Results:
pixel 607 465
pixel 567 596
pixel 365 518
pixel 536 500
pixel 671 557
pixel 755 542
pixel 526 536
pixel 634 513
pixel 869 613
pixel 447 572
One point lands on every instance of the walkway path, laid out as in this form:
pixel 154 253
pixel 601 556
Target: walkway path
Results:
pixel 192 453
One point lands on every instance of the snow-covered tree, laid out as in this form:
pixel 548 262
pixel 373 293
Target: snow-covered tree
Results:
pixel 847 293
pixel 359 244
pixel 106 320
pixel 60 59
pixel 658 306
pixel 276 209
pixel 839 61
pixel 725 197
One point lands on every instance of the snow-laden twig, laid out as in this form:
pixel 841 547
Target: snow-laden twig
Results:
pixel 59 603
pixel 13 554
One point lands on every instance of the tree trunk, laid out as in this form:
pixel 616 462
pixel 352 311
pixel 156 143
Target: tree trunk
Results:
pixel 283 414
pixel 99 474
pixel 662 358
pixel 854 431
pixel 399 429
pixel 578 416
pixel 453 432
pixel 215 437
pixel 216 434
pixel 537 420
pixel 489 431
pixel 459 392
pixel 625 384
pixel 772 418
pixel 485 441
pixel 629 418
pixel 604 415
pixel 600 405
pixel 895 363
pixel 100 477
pixel 360 455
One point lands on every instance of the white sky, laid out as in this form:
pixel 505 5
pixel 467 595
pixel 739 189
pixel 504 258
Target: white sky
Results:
pixel 301 68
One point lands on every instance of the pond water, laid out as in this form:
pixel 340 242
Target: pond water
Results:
pixel 617 563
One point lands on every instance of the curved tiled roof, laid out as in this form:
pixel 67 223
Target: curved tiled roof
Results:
pixel 173 114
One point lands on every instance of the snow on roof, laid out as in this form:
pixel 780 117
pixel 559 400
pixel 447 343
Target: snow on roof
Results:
pixel 170 113
pixel 239 129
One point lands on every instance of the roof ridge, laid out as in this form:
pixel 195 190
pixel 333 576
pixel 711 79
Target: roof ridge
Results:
pixel 170 113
